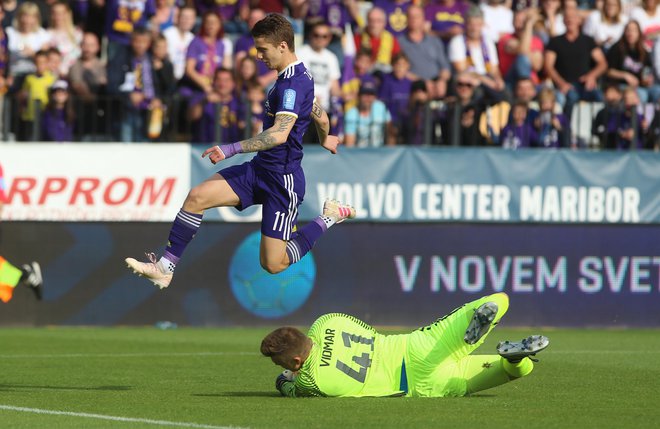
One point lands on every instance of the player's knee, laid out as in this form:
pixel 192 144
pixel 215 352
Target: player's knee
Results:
pixel 273 267
pixel 195 200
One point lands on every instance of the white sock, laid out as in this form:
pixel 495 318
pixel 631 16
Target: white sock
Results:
pixel 166 265
pixel 328 221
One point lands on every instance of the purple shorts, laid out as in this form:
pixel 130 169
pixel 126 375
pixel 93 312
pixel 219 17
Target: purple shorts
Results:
pixel 280 195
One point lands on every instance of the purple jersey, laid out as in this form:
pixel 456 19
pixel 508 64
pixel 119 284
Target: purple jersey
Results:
pixel 227 9
pixel 292 94
pixel 395 11
pixel 395 93
pixel 514 136
pixel 122 16
pixel 622 121
pixel 55 126
pixel 548 136
pixel 4 54
pixel 228 115
pixel 333 12
pixel 442 18
pixel 245 43
pixel 207 58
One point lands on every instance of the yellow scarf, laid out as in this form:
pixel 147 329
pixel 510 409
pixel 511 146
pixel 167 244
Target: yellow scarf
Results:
pixel 384 54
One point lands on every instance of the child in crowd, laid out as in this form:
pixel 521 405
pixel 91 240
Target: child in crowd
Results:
pixel 603 127
pixel 57 120
pixel 629 123
pixel 362 72
pixel 255 97
pixel 35 90
pixel 395 88
pixel 552 128
pixel 518 132
pixel 55 63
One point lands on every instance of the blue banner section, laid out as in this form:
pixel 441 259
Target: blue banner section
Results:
pixel 472 185
pixel 383 273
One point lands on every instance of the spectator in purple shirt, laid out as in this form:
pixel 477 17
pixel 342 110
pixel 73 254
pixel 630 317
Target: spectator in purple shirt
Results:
pixel 121 18
pixel 244 47
pixel 4 81
pixel 205 54
pixel 57 119
pixel 396 12
pixel 518 132
pixel 395 87
pixel 219 107
pixel 552 128
pixel 234 13
pixel 447 17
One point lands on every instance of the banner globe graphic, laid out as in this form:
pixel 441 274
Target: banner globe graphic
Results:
pixel 269 296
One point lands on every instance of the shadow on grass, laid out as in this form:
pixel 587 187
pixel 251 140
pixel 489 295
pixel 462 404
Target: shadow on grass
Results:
pixel 36 387
pixel 240 394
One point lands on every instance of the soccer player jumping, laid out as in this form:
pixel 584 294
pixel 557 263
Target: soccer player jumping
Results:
pixel 273 178
pixel 343 356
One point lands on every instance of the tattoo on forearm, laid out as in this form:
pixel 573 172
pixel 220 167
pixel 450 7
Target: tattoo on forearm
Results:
pixel 317 111
pixel 266 139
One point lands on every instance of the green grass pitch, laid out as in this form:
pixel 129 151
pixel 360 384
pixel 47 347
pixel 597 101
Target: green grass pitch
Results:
pixel 215 378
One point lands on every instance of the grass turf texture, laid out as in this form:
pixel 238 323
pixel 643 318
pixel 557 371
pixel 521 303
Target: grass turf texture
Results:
pixel 586 379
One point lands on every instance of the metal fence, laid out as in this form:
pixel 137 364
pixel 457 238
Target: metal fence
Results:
pixel 436 123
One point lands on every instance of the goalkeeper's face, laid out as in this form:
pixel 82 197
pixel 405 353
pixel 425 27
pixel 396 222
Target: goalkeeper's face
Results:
pixel 292 363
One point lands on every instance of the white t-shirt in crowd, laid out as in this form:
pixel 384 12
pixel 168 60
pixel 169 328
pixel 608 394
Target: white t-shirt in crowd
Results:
pixel 324 68
pixel 176 49
pixel 497 20
pixel 604 33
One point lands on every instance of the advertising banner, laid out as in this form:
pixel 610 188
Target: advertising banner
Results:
pixel 473 185
pixel 93 182
pixel 383 273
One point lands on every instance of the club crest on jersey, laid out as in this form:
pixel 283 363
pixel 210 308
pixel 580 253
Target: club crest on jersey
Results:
pixel 289 99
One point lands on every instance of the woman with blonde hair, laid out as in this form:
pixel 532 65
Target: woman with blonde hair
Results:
pixel 25 37
pixel 64 35
pixel 606 26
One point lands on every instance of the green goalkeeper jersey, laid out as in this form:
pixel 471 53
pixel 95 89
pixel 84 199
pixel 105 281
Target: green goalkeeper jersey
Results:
pixel 349 358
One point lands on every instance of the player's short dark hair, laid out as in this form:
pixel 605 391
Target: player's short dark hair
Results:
pixel 275 29
pixel 285 341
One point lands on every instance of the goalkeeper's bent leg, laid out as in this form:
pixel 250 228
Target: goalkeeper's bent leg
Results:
pixel 474 374
pixel 9 278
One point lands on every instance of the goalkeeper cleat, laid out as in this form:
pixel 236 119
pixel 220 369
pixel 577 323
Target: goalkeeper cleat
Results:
pixel 33 278
pixel 480 323
pixel 338 211
pixel 516 351
pixel 152 270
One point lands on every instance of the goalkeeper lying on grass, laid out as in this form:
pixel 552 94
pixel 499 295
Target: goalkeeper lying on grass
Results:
pixel 343 356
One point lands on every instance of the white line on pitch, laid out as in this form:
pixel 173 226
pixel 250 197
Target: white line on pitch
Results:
pixel 113 418
pixel 128 355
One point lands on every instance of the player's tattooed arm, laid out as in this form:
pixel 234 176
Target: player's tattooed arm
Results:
pixel 273 136
pixel 322 124
pixel 321 121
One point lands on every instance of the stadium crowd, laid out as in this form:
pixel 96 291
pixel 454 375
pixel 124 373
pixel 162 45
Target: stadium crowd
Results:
pixel 513 73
